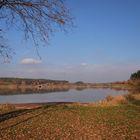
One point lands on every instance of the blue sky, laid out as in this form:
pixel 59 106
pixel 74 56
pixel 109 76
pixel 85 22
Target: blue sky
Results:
pixel 104 46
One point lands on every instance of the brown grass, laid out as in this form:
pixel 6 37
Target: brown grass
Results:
pixel 6 107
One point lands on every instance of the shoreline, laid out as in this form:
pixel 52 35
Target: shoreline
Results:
pixel 37 105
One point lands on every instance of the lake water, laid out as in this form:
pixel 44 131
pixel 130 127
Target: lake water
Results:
pixel 86 95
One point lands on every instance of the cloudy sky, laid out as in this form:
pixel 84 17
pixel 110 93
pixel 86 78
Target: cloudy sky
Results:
pixel 104 46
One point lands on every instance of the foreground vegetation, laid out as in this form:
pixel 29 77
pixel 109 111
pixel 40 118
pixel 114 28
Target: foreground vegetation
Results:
pixel 115 118
pixel 112 119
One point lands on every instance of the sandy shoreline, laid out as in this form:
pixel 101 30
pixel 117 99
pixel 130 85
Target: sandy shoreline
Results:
pixel 37 105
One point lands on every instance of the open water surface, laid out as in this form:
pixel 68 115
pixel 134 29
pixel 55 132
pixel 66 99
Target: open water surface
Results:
pixel 86 95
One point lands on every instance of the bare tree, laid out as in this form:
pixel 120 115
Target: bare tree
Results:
pixel 37 19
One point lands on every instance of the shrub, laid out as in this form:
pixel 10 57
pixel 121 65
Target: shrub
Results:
pixel 109 98
pixel 7 107
pixel 135 76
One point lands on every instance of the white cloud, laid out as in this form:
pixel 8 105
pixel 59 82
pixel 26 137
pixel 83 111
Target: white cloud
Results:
pixel 30 61
pixel 83 64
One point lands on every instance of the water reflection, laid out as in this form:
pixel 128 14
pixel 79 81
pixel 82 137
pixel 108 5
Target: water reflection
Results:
pixel 30 91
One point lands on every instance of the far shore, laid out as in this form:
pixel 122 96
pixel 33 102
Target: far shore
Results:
pixel 14 86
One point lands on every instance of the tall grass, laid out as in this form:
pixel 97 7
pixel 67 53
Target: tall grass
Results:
pixel 6 108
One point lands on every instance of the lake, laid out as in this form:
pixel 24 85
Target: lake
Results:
pixel 86 95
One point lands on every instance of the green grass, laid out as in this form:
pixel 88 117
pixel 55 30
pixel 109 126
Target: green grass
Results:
pixel 65 121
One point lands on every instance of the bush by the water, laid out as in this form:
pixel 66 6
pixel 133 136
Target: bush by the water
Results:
pixel 135 76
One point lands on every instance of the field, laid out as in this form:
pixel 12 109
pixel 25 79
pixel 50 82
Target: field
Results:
pixel 68 121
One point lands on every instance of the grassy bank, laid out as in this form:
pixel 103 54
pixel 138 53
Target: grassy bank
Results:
pixel 112 119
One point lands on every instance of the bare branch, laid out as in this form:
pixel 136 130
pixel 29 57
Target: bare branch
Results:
pixel 37 19
pixel 5 51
